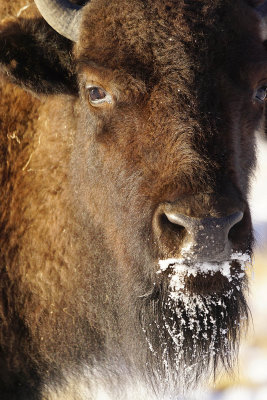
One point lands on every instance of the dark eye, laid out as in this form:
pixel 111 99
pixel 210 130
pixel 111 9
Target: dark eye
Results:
pixel 97 95
pixel 261 94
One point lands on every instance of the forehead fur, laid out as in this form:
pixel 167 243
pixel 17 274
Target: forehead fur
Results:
pixel 166 33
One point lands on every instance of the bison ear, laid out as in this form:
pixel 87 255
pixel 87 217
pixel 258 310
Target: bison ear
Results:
pixel 35 57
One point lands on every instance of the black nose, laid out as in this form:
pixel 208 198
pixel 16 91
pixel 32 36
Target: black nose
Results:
pixel 199 239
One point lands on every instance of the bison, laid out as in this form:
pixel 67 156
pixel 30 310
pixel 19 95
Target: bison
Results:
pixel 127 144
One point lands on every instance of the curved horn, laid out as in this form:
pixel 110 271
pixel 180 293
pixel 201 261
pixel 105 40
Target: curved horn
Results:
pixel 62 15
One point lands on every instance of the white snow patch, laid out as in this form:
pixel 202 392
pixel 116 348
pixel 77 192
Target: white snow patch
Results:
pixel 180 269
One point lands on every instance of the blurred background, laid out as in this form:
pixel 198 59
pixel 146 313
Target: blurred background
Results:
pixel 249 380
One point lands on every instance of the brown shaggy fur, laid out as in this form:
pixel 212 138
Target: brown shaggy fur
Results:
pixel 80 185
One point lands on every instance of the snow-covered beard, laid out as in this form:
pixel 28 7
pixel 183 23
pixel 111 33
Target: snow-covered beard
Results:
pixel 190 332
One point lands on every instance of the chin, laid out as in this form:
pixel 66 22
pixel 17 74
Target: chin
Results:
pixel 193 317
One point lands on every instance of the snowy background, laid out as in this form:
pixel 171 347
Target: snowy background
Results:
pixel 249 381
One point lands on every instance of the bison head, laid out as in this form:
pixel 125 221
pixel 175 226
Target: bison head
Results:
pixel 167 96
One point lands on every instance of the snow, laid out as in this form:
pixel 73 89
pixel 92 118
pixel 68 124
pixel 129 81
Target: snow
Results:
pixel 179 269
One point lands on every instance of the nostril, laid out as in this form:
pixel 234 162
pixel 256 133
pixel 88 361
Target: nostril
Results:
pixel 188 223
pixel 234 219
pixel 237 222
pixel 169 224
pixel 176 219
